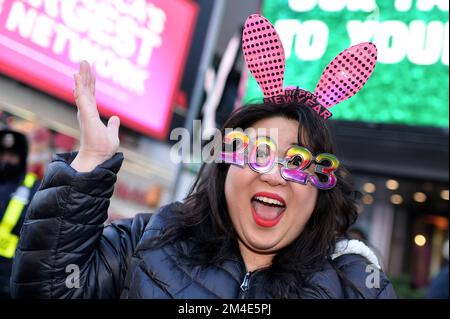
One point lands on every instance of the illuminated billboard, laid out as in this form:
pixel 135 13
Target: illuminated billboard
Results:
pixel 137 50
pixel 410 82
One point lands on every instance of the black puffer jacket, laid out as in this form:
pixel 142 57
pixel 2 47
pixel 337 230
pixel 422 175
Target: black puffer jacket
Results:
pixel 64 227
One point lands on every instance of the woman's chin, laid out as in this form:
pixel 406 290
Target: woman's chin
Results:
pixel 263 245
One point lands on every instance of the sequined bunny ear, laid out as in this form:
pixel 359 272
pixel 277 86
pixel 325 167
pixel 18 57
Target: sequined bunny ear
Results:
pixel 264 54
pixel 346 74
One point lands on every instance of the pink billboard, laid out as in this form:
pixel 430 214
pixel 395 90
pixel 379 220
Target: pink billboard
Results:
pixel 137 50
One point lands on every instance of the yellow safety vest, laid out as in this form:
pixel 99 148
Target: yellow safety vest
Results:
pixel 8 240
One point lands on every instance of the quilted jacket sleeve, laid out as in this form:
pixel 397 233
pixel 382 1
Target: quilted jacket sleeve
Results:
pixel 64 249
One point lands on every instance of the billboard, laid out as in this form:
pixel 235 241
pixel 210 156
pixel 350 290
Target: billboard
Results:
pixel 137 50
pixel 410 82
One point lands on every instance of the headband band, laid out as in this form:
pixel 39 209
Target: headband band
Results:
pixel 300 96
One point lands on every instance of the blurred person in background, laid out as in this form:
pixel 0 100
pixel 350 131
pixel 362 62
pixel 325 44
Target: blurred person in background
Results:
pixel 438 288
pixel 357 233
pixel 17 188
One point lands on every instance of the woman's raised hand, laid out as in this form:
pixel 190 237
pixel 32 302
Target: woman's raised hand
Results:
pixel 97 141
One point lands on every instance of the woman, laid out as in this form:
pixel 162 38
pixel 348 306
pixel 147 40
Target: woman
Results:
pixel 239 234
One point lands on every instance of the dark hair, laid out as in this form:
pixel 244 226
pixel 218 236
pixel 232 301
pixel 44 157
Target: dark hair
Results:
pixel 203 216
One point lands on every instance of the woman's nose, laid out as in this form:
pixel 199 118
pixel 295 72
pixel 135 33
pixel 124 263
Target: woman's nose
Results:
pixel 273 177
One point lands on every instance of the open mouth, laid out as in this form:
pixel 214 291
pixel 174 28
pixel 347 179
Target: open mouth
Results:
pixel 267 209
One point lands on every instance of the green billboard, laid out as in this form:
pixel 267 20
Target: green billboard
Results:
pixel 410 82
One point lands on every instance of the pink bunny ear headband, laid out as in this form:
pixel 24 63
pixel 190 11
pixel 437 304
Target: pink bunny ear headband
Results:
pixel 342 78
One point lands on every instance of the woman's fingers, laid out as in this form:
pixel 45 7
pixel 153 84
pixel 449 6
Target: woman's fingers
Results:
pixel 76 90
pixel 85 71
pixel 113 126
pixel 84 79
pixel 85 90
pixel 88 76
pixel 93 85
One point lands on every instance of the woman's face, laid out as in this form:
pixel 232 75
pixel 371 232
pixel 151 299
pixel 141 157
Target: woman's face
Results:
pixel 253 199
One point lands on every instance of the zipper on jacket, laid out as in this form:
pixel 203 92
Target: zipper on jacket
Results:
pixel 245 284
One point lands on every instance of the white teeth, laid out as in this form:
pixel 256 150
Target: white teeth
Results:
pixel 269 200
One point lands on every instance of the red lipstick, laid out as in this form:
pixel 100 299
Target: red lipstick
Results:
pixel 268 215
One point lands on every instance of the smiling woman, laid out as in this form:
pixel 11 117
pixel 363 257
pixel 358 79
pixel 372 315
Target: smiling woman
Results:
pixel 282 233
pixel 240 233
